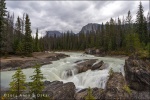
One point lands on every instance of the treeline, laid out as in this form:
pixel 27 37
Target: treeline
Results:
pixel 15 37
pixel 123 35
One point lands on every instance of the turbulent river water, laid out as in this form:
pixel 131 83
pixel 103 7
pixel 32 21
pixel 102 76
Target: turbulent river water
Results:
pixel 57 71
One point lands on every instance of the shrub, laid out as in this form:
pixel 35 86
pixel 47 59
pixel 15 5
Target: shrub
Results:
pixel 111 72
pixel 127 89
pixel 89 95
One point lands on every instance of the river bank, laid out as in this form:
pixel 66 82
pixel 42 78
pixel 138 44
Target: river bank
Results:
pixel 13 62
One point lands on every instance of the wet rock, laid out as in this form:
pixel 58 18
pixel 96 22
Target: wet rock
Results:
pixel 59 90
pixel 137 73
pixel 78 61
pixel 97 65
pixel 84 66
pixel 114 88
pixel 104 66
pixel 90 51
pixel 57 57
pixel 97 52
pixel 96 92
pixel 69 72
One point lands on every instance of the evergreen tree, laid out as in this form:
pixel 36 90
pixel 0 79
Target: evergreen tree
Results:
pixel 129 23
pixel 2 25
pixel 28 47
pixel 37 85
pixel 37 42
pixel 140 23
pixel 18 43
pixel 112 36
pixel 89 95
pixel 18 82
pixel 133 43
pixel 119 34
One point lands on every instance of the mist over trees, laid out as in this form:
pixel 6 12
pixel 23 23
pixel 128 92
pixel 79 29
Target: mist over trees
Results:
pixel 116 35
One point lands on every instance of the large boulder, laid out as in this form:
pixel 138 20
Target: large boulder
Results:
pixel 116 88
pixel 59 90
pixel 96 92
pixel 137 73
pixel 97 65
pixel 91 51
pixel 86 65
pixel 97 52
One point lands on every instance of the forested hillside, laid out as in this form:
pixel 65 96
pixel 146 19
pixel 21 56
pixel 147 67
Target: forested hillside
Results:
pixel 118 35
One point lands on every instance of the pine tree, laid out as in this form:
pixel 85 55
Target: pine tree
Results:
pixel 133 43
pixel 37 42
pixel 37 85
pixel 112 35
pixel 18 46
pixel 18 82
pixel 89 95
pixel 129 23
pixel 2 25
pixel 140 23
pixel 28 47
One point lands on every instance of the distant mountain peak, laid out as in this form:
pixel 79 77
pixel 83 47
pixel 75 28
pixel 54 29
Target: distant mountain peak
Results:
pixel 53 33
pixel 90 27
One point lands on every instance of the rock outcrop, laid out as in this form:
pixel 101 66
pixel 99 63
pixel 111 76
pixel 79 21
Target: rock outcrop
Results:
pixel 96 52
pixel 97 65
pixel 116 88
pixel 104 66
pixel 89 64
pixel 137 73
pixel 84 66
pixel 14 64
pixel 96 92
pixel 59 90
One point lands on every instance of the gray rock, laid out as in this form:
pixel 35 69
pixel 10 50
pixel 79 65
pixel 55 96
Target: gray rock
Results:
pixel 84 66
pixel 97 65
pixel 114 88
pixel 96 92
pixel 137 73
pixel 59 90
pixel 104 66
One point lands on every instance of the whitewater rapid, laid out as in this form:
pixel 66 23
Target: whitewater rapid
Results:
pixel 58 71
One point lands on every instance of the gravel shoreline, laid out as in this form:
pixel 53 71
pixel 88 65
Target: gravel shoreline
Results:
pixel 42 58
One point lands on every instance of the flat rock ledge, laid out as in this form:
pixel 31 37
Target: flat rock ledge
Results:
pixel 28 63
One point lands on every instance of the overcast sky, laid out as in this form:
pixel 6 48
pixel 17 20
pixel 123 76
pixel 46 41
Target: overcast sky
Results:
pixel 72 15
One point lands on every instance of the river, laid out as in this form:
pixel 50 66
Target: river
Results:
pixel 57 71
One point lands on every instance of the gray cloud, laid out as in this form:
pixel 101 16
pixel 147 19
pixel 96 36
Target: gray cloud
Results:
pixel 71 15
